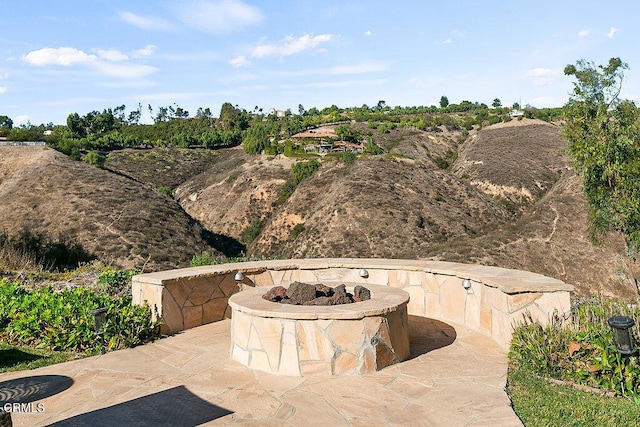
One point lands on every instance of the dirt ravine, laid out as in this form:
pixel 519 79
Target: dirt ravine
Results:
pixel 508 198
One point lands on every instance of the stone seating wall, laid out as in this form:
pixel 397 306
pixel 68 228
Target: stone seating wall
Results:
pixel 498 298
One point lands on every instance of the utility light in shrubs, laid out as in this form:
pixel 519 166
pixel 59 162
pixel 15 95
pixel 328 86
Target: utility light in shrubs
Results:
pixel 621 326
pixel 100 317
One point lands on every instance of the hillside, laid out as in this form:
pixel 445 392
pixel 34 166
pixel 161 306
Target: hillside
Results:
pixel 509 198
pixel 112 217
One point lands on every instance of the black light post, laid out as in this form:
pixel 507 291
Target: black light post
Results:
pixel 621 326
pixel 100 317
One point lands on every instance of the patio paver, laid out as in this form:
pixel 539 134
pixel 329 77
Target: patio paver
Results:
pixel 454 377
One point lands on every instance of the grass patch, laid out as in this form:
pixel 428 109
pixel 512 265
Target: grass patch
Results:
pixel 540 403
pixel 15 358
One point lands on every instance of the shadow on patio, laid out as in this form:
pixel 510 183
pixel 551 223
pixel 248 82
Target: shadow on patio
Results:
pixel 176 406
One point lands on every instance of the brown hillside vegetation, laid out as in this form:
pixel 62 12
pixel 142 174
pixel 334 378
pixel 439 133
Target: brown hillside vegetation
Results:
pixel 510 199
pixel 110 216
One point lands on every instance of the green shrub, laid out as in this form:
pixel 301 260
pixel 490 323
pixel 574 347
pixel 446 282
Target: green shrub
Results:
pixel 252 231
pixel 165 190
pixel 299 172
pixel 207 258
pixel 204 258
pixel 62 321
pixel 232 177
pixel 441 162
pixel 303 170
pixel 271 150
pixel 285 191
pixel 115 279
pixel 580 349
pixel 297 229
pixel 94 158
pixel 349 157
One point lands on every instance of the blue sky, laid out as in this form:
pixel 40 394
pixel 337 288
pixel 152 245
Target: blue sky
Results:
pixel 60 57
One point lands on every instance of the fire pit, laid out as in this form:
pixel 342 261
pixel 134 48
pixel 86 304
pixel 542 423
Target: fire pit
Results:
pixel 310 340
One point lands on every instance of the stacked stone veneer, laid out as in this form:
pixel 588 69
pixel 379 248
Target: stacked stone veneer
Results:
pixel 348 339
pixel 497 299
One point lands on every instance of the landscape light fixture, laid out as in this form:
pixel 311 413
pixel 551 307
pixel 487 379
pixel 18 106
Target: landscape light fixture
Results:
pixel 99 317
pixel 466 283
pixel 621 326
pixel 239 276
pixel 363 273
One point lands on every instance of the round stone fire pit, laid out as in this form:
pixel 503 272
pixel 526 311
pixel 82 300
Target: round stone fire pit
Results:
pixel 301 340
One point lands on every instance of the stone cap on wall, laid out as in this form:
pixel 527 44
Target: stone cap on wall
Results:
pixel 506 280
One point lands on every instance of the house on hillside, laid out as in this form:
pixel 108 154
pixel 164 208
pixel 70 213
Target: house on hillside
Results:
pixel 277 113
pixel 345 146
pixel 322 148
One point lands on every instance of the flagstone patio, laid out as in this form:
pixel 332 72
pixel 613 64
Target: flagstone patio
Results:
pixel 453 377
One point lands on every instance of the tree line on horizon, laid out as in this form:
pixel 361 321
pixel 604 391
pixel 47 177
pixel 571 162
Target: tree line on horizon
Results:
pixel 114 129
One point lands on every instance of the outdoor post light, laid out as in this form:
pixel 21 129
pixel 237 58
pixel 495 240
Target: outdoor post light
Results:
pixel 621 326
pixel 100 317
pixel 239 276
pixel 363 273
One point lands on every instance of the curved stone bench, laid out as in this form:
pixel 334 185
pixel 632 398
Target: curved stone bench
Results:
pixel 496 299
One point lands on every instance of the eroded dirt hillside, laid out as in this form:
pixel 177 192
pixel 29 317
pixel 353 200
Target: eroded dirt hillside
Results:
pixel 510 199
pixel 112 217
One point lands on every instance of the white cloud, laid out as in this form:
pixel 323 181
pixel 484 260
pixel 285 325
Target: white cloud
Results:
pixel 459 33
pixel 583 33
pixel 541 76
pixel 239 61
pixel 124 70
pixel 3 89
pixel 206 55
pixel 144 22
pixel 612 32
pixel 112 55
pixel 367 33
pixel 447 41
pixel 58 56
pixel 4 76
pixel 21 119
pixel 358 68
pixel 291 45
pixel 347 83
pixel 68 56
pixel 218 16
pixel 148 50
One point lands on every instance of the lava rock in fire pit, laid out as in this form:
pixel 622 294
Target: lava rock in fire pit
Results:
pixel 299 292
pixel 319 301
pixel 306 294
pixel 323 290
pixel 276 294
pixel 340 296
pixel 361 293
